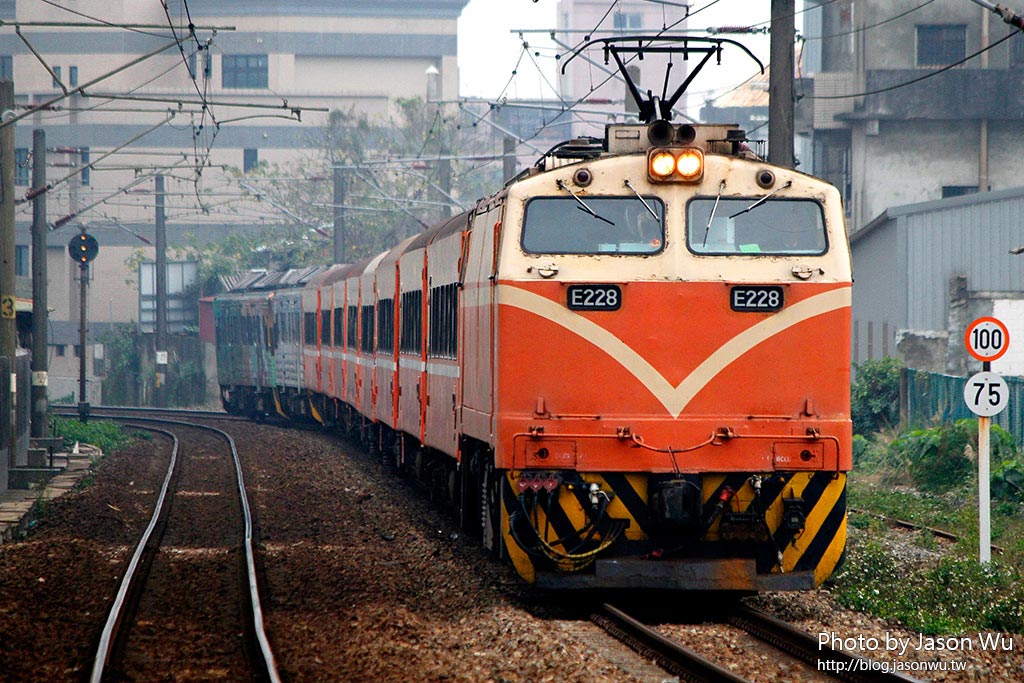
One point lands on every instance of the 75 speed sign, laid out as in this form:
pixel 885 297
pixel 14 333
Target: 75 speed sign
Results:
pixel 986 394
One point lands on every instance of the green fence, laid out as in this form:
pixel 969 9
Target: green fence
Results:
pixel 927 397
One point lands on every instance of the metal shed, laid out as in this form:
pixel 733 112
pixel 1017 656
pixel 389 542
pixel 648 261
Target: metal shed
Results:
pixel 923 271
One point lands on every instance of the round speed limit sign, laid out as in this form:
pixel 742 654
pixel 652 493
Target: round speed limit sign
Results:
pixel 986 394
pixel 987 339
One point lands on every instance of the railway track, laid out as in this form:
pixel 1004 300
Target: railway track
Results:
pixel 690 666
pixel 897 523
pixel 189 600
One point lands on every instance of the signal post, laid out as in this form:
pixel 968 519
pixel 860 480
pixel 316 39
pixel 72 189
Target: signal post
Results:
pixel 83 248
pixel 986 394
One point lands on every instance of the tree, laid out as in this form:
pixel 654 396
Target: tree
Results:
pixel 394 170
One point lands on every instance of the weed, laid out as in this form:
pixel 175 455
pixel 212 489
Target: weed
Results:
pixel 107 436
pixel 951 595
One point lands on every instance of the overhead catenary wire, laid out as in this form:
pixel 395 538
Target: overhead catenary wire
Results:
pixel 868 27
pixel 930 74
pixel 36 191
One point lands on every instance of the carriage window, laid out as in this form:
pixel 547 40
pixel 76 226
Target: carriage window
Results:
pixel 744 226
pixel 444 321
pixel 309 338
pixel 366 337
pixel 594 225
pixel 339 324
pixel 386 325
pixel 351 327
pixel 325 327
pixel 411 332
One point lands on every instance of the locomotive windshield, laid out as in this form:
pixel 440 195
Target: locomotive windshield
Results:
pixel 594 225
pixel 755 225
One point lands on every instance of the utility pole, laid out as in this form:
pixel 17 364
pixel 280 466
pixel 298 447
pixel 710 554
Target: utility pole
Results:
pixel 508 158
pixel 339 214
pixel 8 312
pixel 40 314
pixel 444 171
pixel 160 336
pixel 780 84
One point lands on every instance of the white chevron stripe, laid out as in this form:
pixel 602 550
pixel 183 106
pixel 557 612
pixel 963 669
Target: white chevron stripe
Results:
pixel 675 399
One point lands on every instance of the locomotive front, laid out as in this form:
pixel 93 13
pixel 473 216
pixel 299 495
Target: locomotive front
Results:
pixel 671 358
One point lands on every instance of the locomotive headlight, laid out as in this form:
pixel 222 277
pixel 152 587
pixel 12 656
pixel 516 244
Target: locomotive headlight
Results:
pixel 684 164
pixel 690 164
pixel 662 164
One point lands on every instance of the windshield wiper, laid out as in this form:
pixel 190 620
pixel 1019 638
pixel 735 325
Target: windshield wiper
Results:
pixel 762 200
pixel 582 206
pixel 646 205
pixel 707 228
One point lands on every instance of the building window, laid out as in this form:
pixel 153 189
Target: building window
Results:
pixel 73 76
pixel 244 71
pixel 58 349
pixel 958 190
pixel 7 67
pixel 629 20
pixel 56 77
pixel 250 159
pixel 22 167
pixel 941 44
pixel 182 307
pixel 86 171
pixel 21 264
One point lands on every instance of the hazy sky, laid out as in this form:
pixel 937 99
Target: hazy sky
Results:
pixel 488 50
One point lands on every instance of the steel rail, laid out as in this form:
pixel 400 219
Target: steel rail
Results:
pixel 914 526
pixel 668 654
pixel 128 581
pixel 849 667
pixel 266 652
pixel 212 414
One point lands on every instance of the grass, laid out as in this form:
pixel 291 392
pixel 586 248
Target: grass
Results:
pixel 932 590
pixel 107 436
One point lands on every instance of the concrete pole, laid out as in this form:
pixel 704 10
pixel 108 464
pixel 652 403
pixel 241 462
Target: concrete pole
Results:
pixel 8 330
pixel 444 171
pixel 780 84
pixel 339 215
pixel 983 124
pixel 160 338
pixel 40 314
pixel 508 158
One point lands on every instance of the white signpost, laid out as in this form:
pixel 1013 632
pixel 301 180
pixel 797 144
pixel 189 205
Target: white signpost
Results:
pixel 986 394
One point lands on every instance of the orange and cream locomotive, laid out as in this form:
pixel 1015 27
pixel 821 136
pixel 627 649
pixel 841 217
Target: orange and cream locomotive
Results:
pixel 628 368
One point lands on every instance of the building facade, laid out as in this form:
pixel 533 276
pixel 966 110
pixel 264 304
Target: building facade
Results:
pixel 890 126
pixel 253 85
pixel 923 272
pixel 597 90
